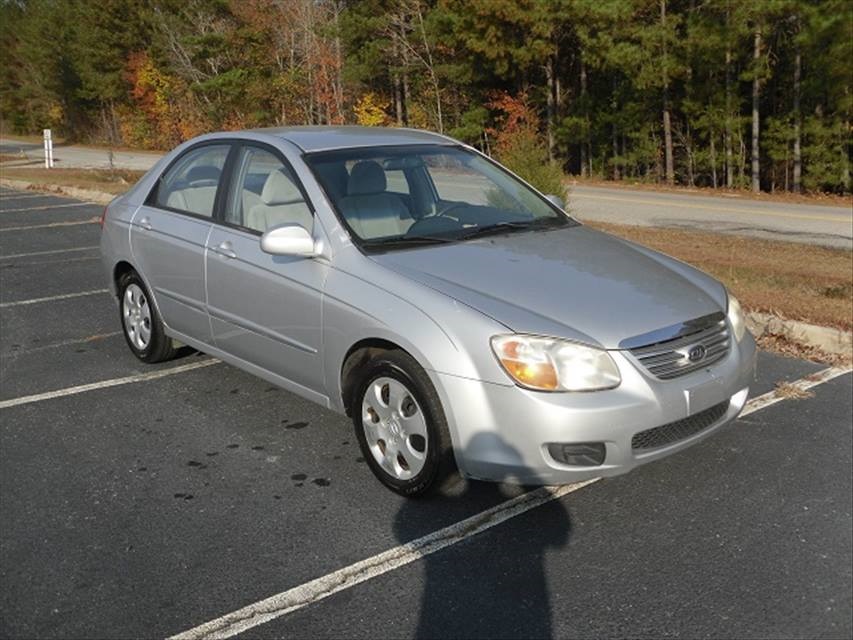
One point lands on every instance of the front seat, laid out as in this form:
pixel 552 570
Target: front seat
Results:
pixel 281 203
pixel 368 208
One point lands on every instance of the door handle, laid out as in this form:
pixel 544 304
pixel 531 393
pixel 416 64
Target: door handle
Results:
pixel 145 223
pixel 224 249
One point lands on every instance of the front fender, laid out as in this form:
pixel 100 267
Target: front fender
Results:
pixel 354 310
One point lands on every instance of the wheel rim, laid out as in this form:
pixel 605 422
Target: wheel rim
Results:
pixel 137 316
pixel 395 428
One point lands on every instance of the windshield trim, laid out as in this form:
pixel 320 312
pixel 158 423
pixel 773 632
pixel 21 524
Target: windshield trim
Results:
pixel 368 248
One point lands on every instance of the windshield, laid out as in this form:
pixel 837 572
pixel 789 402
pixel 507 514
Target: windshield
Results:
pixel 427 194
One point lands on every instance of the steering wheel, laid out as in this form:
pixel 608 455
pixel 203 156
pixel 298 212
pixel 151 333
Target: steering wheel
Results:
pixel 454 205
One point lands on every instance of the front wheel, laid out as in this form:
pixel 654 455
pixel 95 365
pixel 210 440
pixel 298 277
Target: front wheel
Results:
pixel 400 426
pixel 141 324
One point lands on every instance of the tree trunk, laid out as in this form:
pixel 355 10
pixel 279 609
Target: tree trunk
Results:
pixel 713 161
pixel 585 171
pixel 615 138
pixel 667 124
pixel 691 161
pixel 398 99
pixel 728 120
pixel 339 66
pixel 756 97
pixel 404 88
pixel 616 175
pixel 845 146
pixel 741 159
pixel 798 159
pixel 550 78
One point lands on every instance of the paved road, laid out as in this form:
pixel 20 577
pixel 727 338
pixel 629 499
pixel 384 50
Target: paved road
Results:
pixel 146 508
pixel 77 156
pixel 823 225
pixel 814 224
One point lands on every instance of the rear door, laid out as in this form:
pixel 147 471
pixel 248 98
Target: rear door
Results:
pixel 265 309
pixel 169 234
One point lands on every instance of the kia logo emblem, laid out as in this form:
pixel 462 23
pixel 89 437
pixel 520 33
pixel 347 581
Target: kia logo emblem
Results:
pixel 697 353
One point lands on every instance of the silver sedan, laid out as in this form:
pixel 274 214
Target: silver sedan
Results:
pixel 462 319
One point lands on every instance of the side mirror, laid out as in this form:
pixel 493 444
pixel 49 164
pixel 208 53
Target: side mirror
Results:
pixel 288 240
pixel 557 201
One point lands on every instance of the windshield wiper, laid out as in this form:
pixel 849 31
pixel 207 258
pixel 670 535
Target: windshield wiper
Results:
pixel 407 241
pixel 505 227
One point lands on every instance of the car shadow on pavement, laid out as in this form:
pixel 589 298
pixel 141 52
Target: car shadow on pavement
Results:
pixel 493 585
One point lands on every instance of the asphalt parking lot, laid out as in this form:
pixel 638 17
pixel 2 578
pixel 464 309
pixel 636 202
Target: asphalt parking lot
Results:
pixel 140 505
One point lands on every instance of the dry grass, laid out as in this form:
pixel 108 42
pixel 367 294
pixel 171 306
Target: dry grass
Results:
pixel 792 392
pixel 797 281
pixel 116 181
pixel 816 198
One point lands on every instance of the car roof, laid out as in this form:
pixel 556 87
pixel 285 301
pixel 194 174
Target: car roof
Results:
pixel 326 138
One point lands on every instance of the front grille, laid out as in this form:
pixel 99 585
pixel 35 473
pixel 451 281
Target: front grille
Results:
pixel 669 358
pixel 680 429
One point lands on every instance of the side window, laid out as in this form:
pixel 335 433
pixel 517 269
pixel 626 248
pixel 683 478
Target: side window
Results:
pixel 191 183
pixel 264 193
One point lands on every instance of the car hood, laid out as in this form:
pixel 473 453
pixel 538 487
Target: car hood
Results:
pixel 572 282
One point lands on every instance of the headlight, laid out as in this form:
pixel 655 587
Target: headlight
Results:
pixel 737 318
pixel 548 364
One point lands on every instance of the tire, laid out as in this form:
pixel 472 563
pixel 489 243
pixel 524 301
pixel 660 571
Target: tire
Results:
pixel 143 330
pixel 401 427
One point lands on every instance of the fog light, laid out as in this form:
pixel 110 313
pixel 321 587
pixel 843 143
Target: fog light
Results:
pixel 585 454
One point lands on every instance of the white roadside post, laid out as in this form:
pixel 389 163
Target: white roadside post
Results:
pixel 48 149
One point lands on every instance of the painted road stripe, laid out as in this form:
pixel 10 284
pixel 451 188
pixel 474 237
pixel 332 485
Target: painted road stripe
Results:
pixel 50 206
pixel 707 207
pixel 294 599
pixel 105 384
pixel 803 384
pixel 70 223
pixel 64 296
pixel 46 253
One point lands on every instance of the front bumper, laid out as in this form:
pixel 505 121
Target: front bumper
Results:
pixel 501 433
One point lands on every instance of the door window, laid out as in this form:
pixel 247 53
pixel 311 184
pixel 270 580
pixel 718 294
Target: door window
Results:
pixel 265 193
pixel 190 184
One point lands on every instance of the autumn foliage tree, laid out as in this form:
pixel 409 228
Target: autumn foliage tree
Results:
pixel 714 93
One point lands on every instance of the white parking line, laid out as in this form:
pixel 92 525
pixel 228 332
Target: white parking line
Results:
pixel 296 598
pixel 70 223
pixel 64 296
pixel 803 384
pixel 105 384
pixel 50 206
pixel 46 253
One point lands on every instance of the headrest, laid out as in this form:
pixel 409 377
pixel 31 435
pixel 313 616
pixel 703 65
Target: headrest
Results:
pixel 366 177
pixel 279 189
pixel 203 173
pixel 334 177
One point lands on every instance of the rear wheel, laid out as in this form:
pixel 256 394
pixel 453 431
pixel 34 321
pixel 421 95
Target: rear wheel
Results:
pixel 401 427
pixel 143 329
